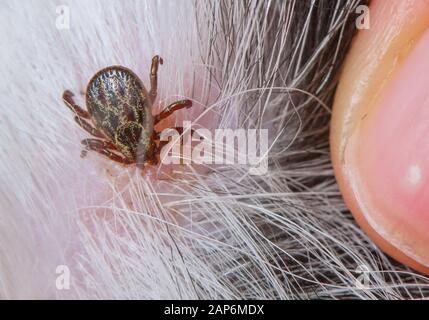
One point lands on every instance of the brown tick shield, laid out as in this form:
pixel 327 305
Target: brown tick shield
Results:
pixel 119 108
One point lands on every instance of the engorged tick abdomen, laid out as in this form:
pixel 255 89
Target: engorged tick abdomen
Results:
pixel 120 108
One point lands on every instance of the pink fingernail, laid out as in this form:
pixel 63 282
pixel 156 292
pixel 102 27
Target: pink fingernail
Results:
pixel 394 157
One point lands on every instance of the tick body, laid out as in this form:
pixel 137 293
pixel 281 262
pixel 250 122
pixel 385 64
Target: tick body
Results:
pixel 119 115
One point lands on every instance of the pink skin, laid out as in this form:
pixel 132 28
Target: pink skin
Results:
pixel 394 155
pixel 101 183
pixel 380 131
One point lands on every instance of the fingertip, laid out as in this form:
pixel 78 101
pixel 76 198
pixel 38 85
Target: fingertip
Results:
pixel 379 129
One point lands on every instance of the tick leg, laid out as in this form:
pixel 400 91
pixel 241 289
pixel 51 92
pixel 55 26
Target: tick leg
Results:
pixel 105 144
pixel 68 100
pixel 88 128
pixel 102 147
pixel 172 108
pixel 156 61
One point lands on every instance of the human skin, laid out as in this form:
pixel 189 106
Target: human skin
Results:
pixel 379 128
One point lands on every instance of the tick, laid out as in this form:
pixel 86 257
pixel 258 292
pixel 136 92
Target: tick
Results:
pixel 120 109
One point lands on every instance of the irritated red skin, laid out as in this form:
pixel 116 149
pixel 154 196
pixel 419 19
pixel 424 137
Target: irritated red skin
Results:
pixel 371 70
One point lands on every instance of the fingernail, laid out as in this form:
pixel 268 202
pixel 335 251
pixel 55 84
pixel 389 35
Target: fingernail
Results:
pixel 392 159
